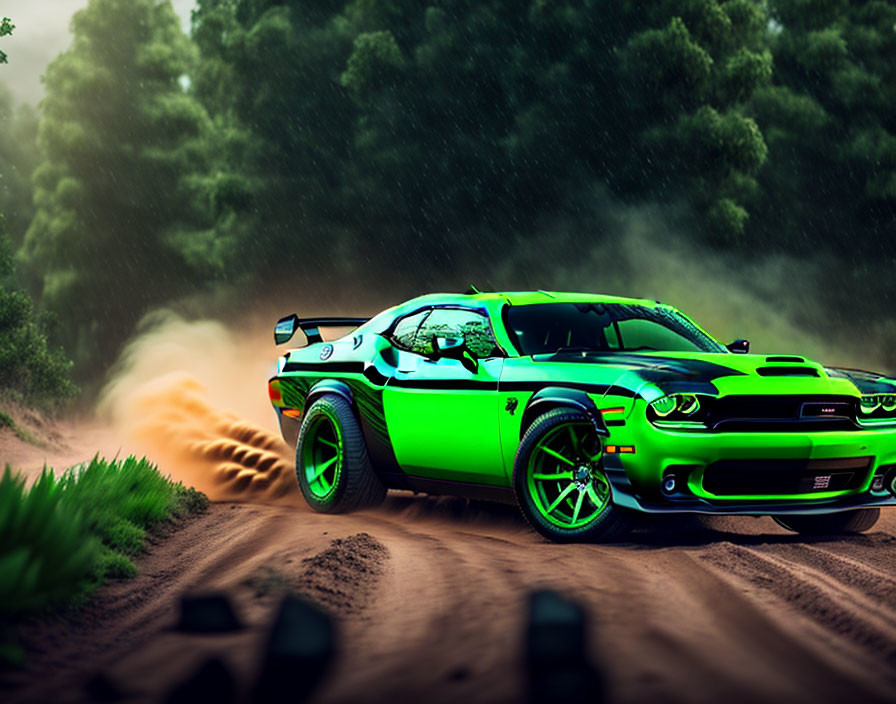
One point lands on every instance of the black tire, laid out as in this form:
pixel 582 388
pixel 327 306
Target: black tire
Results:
pixel 857 521
pixel 356 484
pixel 609 524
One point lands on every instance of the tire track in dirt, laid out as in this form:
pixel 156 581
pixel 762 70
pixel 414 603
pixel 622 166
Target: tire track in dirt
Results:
pixel 429 600
pixel 876 550
pixel 874 583
pixel 439 597
pixel 793 575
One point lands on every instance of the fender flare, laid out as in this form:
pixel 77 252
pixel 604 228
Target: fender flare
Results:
pixel 551 397
pixel 330 386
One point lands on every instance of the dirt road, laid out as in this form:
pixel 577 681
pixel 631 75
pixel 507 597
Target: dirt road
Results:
pixel 430 594
pixel 429 597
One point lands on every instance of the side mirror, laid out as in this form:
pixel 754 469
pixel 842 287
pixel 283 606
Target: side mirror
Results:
pixel 285 329
pixel 454 348
pixel 739 346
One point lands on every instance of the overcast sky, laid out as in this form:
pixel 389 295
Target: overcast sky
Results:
pixel 42 31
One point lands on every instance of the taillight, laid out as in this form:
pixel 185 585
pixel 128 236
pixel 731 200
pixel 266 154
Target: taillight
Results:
pixel 274 392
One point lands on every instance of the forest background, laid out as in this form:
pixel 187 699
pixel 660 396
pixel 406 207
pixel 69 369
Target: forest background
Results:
pixel 366 151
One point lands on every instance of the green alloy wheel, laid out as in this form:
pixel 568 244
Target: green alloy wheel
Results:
pixel 332 465
pixel 559 480
pixel 857 521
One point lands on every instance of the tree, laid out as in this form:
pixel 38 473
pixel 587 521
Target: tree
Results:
pixel 6 28
pixel 29 369
pixel 270 76
pixel 116 222
pixel 831 131
pixel 393 126
pixel 18 158
pixel 492 113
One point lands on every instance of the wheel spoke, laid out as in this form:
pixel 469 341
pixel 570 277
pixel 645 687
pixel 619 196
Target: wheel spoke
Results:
pixel 549 477
pixel 554 453
pixel 559 499
pixel 320 469
pixel 575 440
pixel 328 442
pixel 592 494
pixel 575 511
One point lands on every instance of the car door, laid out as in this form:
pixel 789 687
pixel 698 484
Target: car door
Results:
pixel 442 416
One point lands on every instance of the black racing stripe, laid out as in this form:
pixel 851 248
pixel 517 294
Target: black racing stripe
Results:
pixel 590 388
pixel 614 422
pixel 444 384
pixel 369 371
pixel 648 367
pixel 331 367
pixel 374 376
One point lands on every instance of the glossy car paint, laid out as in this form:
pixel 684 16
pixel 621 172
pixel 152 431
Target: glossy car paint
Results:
pixel 437 420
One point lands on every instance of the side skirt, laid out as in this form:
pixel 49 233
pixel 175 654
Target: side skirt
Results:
pixel 441 487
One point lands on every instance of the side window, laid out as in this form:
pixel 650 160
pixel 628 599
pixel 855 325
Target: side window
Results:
pixel 405 335
pixel 612 337
pixel 454 322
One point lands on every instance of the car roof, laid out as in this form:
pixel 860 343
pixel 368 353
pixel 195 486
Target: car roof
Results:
pixel 521 298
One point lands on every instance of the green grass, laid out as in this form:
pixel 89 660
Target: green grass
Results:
pixel 21 433
pixel 66 535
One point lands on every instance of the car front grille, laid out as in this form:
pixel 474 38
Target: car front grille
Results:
pixel 782 413
pixel 767 477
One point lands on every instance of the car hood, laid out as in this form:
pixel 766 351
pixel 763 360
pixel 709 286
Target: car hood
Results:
pixel 652 374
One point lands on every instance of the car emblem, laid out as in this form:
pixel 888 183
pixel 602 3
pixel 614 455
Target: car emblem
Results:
pixel 326 351
pixel 511 405
pixel 822 481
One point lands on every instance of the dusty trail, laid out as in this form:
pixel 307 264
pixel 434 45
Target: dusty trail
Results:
pixel 429 597
pixel 429 594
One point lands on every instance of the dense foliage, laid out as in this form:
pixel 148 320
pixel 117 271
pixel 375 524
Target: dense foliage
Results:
pixel 18 158
pixel 348 137
pixel 830 122
pixel 119 135
pixel 62 537
pixel 30 370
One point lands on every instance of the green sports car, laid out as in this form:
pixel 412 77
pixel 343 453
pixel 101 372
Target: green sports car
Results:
pixel 584 410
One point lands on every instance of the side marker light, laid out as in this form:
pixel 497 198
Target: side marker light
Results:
pixel 619 449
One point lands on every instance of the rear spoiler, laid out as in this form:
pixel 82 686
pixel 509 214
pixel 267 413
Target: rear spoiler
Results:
pixel 286 327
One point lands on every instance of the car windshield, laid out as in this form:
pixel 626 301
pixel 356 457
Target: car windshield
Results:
pixel 604 327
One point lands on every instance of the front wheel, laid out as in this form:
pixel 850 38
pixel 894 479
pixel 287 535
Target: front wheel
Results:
pixel 857 521
pixel 559 481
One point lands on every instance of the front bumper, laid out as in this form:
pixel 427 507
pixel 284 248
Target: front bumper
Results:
pixel 637 478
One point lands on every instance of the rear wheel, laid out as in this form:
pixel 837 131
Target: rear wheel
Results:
pixel 559 481
pixel 332 465
pixel 857 521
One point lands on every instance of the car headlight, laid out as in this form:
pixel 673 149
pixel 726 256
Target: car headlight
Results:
pixel 877 407
pixel 678 408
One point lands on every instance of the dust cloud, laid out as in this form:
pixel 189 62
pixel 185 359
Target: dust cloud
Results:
pixel 192 396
